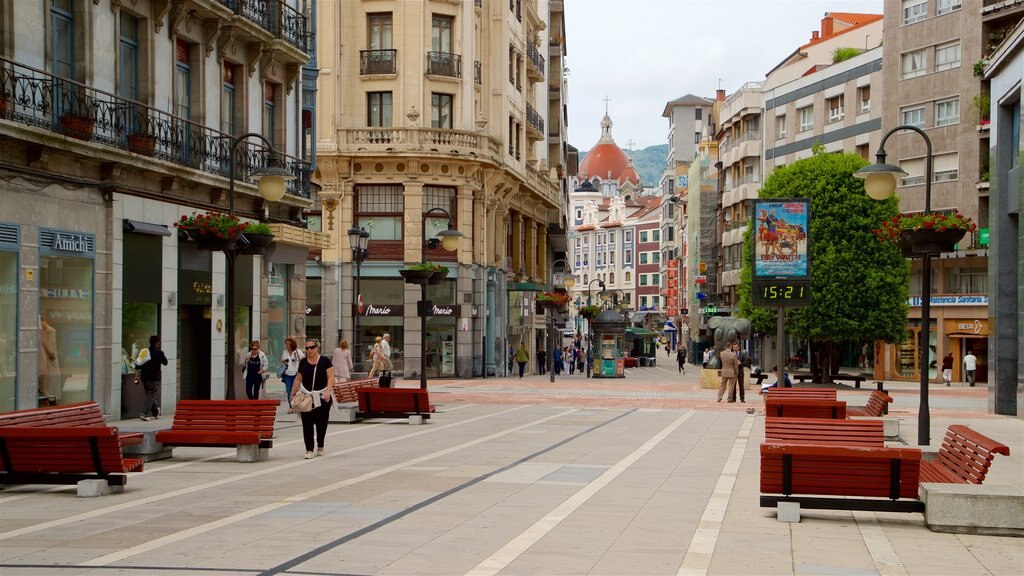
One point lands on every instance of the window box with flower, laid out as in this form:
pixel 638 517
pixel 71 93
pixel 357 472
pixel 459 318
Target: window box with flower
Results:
pixel 424 273
pixel 552 301
pixel 921 233
pixel 211 231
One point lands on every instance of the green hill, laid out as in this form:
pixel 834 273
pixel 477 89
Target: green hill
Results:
pixel 649 162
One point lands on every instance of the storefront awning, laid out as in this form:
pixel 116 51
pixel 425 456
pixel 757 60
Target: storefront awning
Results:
pixel 669 326
pixel 527 287
pixel 146 228
pixel 638 332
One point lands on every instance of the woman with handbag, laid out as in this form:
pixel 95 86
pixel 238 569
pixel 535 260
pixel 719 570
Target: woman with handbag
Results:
pixel 314 383
pixel 253 368
pixel 377 356
pixel 289 367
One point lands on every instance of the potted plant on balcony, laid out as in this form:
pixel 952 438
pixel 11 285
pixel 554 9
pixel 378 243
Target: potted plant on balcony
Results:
pixel 921 233
pixel 78 118
pixel 211 231
pixel 422 272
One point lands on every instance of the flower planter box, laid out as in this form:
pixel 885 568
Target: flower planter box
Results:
pixel 257 243
pixel 438 277
pixel 933 241
pixel 144 144
pixel 416 276
pixel 212 242
pixel 80 127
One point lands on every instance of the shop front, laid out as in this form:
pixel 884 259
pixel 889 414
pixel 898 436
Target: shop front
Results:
pixel 441 334
pixel 195 298
pixel 9 242
pixel 959 323
pixel 382 312
pixel 968 334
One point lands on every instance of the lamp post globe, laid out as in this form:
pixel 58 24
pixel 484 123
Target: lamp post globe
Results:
pixel 450 239
pixel 880 179
pixel 569 281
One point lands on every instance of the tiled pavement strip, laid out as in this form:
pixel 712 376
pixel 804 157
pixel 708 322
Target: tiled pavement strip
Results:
pixel 642 475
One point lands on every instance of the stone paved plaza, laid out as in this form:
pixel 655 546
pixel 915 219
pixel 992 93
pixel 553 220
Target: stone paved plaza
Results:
pixel 644 475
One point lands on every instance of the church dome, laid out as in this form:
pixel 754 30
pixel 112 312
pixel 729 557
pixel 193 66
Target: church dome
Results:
pixel 606 160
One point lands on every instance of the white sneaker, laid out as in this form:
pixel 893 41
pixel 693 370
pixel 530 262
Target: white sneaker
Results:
pixel 309 456
pixel 145 418
pixel 319 451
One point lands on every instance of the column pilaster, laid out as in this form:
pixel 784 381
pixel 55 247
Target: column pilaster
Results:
pixel 413 222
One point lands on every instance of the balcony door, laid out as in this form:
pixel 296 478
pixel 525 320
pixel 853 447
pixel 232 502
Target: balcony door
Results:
pixel 441 34
pixel 380 57
pixel 62 54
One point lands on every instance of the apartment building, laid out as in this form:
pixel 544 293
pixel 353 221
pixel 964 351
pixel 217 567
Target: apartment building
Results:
pixel 931 47
pixel 435 115
pixel 699 274
pixel 117 118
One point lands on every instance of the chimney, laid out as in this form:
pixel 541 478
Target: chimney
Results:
pixel 720 95
pixel 826 26
pixel 814 35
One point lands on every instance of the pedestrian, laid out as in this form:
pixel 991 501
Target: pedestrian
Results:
pixel 947 368
pixel 542 357
pixel 522 357
pixel 668 350
pixel 316 377
pixel 681 359
pixel 342 361
pixel 766 386
pixel 385 350
pixel 376 356
pixel 579 359
pixel 148 362
pixel 730 366
pixel 290 359
pixel 253 369
pixel 970 365
pixel 511 357
pixel 708 353
pixel 556 360
pixel 570 360
pixel 742 358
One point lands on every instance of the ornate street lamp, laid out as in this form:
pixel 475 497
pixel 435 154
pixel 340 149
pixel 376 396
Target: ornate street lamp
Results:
pixel 271 180
pixel 358 239
pixel 880 183
pixel 567 281
pixel 448 240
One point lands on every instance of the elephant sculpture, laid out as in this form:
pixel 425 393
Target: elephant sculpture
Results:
pixel 727 331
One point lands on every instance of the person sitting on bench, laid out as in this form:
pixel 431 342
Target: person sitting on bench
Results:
pixel 787 383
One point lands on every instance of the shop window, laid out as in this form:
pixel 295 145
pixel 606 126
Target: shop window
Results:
pixel 278 328
pixel 379 209
pixel 8 321
pixel 66 326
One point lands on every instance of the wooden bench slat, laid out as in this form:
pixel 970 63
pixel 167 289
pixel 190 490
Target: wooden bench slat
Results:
pixel 804 408
pixel 821 431
pixel 816 393
pixel 77 415
pixel 963 458
pixel 33 455
pixel 878 401
pixel 218 423
pixel 839 470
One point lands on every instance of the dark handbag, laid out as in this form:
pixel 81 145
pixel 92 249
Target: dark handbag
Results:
pixel 384 379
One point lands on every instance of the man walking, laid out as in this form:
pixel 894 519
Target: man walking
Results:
pixel 947 368
pixel 970 365
pixel 730 365
pixel 149 362
pixel 522 357
pixel 542 358
pixel 681 359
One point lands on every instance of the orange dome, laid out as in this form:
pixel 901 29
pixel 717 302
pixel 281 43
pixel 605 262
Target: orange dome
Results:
pixel 606 160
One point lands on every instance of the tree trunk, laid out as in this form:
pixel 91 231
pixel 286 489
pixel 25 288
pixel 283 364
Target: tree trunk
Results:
pixel 824 359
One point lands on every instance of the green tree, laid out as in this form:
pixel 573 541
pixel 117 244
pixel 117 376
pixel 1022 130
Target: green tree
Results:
pixel 859 285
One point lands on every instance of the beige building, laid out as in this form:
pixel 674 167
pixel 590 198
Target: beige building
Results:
pixel 117 118
pixel 435 114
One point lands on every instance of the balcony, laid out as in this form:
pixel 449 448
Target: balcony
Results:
pixel 38 99
pixel 276 17
pixel 417 140
pixel 444 64
pixel 534 123
pixel 378 61
pixel 535 64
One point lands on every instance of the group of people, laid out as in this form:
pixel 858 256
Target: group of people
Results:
pixel 970 364
pixel 734 359
pixel 564 360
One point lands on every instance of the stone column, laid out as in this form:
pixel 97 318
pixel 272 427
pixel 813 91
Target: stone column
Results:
pixel 413 223
pixel 464 208
pixel 517 241
pixel 530 249
pixel 542 251
pixel 498 236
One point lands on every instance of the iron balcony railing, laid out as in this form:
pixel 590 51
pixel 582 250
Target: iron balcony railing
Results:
pixel 534 55
pixel 478 75
pixel 36 98
pixel 378 61
pixel 533 118
pixel 444 64
pixel 274 16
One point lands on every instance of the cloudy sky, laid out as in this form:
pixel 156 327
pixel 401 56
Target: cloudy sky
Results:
pixel 643 53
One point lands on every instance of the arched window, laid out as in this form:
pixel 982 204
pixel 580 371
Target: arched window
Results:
pixel 586 279
pixel 611 278
pixel 629 277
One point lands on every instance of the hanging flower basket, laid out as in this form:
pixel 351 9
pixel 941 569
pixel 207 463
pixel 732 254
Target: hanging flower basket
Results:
pixel 920 233
pixel 438 277
pixel 211 231
pixel 589 312
pixel 933 241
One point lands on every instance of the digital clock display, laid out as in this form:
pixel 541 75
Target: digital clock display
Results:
pixel 781 293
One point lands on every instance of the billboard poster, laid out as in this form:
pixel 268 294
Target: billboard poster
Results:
pixel 781 238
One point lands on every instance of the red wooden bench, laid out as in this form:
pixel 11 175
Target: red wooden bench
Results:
pixel 964 457
pixel 631 362
pixel 867 433
pixel 877 406
pixel 63 455
pixel 804 408
pixel 245 424
pixel 81 414
pixel 882 479
pixel 805 393
pixel 345 392
pixel 393 402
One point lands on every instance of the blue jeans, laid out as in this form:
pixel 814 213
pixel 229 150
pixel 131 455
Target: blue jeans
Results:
pixel 288 381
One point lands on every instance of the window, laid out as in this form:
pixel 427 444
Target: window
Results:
pixel 627 260
pixel 62 38
pixel 228 100
pixel 656 279
pixel 643 257
pixel 655 257
pixel 441 112
pixel 864 96
pixel 129 44
pixel 9 297
pixel 519 72
pixel 379 31
pixel 643 299
pixel 511 64
pixel 967 280
pixel 643 236
pixel 698 113
pixel 66 326
pixel 946 167
pixel 946 6
pixel 611 237
pixel 806 117
pixel 378 109
pixel 655 235
pixel 269 123
pixel 611 256
pixel 915 172
pixel 579 216
pixel 696 137
pixel 655 301
pixel 379 209
pixel 441 34
pixel 835 108
pixel 780 126
pixel 947 112
pixel 438 197
pixel 913 64
pixel 183 81
pixel 629 278
pixel 913 116
pixel 914 11
pixel 643 279
pixel 947 56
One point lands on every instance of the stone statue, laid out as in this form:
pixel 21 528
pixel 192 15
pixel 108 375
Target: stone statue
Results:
pixel 727 331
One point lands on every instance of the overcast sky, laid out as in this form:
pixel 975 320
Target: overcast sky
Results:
pixel 643 53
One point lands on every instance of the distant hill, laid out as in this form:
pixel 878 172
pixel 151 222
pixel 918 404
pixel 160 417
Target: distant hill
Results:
pixel 649 162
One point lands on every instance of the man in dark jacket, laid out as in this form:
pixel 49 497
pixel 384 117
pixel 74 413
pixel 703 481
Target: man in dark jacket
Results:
pixel 149 362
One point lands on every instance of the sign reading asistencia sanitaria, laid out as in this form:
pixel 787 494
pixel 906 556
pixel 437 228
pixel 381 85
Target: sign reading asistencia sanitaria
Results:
pixel 951 300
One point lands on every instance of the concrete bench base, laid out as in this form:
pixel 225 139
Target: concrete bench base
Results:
pixel 94 488
pixel 344 414
pixel 251 453
pixel 149 450
pixel 988 509
pixel 891 428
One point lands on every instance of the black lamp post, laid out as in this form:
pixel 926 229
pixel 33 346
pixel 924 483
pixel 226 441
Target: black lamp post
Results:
pixel 358 238
pixel 590 323
pixel 271 186
pixel 449 240
pixel 567 281
pixel 880 184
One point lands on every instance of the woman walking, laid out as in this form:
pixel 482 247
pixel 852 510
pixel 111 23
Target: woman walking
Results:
pixel 342 361
pixel 377 356
pixel 315 376
pixel 290 359
pixel 253 369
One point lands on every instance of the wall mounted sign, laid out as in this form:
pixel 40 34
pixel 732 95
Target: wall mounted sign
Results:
pixel 384 310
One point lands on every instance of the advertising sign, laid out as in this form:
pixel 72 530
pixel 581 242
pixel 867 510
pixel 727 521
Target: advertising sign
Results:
pixel 781 232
